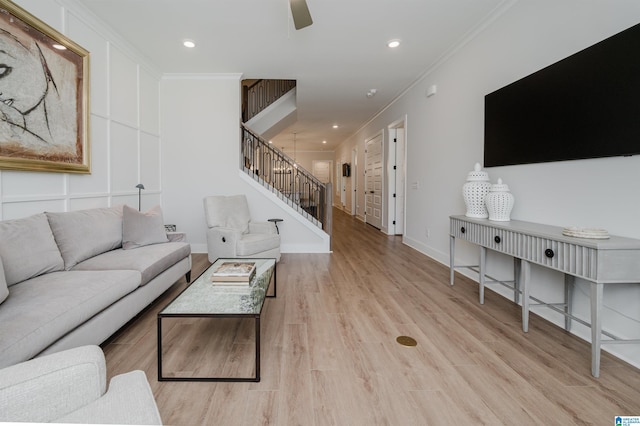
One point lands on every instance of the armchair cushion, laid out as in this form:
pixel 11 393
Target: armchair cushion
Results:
pixel 250 244
pixel 262 228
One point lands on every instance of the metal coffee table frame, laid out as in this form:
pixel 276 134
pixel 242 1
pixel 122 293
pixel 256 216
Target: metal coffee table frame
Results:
pixel 255 316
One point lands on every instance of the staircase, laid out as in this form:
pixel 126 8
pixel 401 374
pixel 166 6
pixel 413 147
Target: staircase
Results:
pixel 271 167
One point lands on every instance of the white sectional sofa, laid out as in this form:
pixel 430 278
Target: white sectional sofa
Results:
pixel 74 278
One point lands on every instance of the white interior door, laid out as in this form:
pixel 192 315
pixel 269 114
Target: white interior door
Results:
pixel 373 181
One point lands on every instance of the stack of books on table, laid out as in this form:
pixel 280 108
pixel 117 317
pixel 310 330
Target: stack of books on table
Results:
pixel 233 273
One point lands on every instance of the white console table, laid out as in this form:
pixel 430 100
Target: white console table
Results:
pixel 599 261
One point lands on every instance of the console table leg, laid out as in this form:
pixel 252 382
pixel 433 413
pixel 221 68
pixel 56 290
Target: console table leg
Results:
pixel 452 258
pixel 524 280
pixel 516 280
pixel 257 348
pixel 569 281
pixel 596 327
pixel 160 377
pixel 483 259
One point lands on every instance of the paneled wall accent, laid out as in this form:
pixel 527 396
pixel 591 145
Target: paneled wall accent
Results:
pixel 124 126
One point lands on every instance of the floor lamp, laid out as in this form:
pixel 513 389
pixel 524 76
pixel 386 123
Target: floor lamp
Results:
pixel 140 188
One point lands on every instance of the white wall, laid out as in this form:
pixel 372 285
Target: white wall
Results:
pixel 200 143
pixel 124 125
pixel 445 139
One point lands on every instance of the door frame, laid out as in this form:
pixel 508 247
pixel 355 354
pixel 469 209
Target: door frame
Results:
pixel 354 181
pixel 397 186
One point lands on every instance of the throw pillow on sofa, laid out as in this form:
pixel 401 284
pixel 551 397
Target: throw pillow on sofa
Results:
pixel 82 234
pixel 28 249
pixel 142 229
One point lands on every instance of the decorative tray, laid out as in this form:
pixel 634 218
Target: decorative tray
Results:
pixel 596 233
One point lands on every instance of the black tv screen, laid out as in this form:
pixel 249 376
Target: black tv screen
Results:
pixel 584 106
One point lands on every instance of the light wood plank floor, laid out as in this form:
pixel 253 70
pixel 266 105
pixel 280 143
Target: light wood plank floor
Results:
pixel 330 356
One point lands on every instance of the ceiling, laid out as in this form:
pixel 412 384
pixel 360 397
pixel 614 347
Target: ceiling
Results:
pixel 335 61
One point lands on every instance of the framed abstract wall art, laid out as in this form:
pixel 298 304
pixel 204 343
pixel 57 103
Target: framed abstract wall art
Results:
pixel 44 96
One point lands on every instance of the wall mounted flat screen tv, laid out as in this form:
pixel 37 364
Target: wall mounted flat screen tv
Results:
pixel 584 106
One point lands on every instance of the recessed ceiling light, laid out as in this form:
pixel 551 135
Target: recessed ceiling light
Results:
pixel 59 47
pixel 324 141
pixel 393 43
pixel 189 43
pixel 335 126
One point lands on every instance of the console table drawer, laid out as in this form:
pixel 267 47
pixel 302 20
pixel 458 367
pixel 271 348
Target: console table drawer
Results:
pixel 496 239
pixel 572 259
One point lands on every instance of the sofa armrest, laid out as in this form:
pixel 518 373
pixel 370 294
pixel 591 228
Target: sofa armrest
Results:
pixel 129 401
pixel 46 388
pixel 177 237
pixel 262 228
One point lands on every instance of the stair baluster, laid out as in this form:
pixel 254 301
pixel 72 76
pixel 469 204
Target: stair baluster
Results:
pixel 277 172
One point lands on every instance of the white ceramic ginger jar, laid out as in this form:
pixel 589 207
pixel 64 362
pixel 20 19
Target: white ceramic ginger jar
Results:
pixel 474 192
pixel 499 202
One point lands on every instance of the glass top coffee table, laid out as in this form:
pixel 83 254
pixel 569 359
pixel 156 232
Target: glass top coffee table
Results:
pixel 205 299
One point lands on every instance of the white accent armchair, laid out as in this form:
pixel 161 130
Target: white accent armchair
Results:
pixel 231 232
pixel 71 387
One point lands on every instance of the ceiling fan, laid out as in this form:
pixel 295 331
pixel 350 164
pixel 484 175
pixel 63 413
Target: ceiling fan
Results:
pixel 300 13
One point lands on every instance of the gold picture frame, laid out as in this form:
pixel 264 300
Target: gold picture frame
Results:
pixel 44 96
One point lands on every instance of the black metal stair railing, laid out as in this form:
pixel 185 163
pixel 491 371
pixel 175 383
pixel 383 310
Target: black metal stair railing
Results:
pixel 262 93
pixel 292 183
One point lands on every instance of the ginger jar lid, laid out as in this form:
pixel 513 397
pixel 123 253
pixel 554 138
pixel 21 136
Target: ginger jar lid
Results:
pixel 499 187
pixel 477 175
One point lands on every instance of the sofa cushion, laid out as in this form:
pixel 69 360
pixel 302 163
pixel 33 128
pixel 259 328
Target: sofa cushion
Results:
pixel 4 290
pixel 83 234
pixel 45 308
pixel 142 229
pixel 150 260
pixel 27 248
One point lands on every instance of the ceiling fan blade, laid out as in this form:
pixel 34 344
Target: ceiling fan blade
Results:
pixel 300 13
